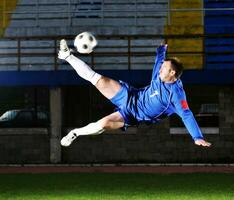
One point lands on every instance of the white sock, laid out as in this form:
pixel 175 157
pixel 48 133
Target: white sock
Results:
pixel 91 129
pixel 83 70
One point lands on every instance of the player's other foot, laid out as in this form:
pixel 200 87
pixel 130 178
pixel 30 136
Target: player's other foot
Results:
pixel 69 138
pixel 64 51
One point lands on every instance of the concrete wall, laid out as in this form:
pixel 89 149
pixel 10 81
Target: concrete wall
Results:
pixel 143 144
pixel 24 146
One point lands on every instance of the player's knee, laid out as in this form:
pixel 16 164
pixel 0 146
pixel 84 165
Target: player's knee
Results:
pixel 106 123
pixel 102 82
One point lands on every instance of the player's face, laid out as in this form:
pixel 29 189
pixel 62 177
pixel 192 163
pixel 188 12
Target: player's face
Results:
pixel 166 73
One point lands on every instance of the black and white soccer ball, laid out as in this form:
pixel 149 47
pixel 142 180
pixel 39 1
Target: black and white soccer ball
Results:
pixel 85 42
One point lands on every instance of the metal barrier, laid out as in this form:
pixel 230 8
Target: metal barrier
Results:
pixel 118 52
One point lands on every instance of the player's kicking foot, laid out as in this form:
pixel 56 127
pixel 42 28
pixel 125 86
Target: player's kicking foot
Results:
pixel 64 51
pixel 69 138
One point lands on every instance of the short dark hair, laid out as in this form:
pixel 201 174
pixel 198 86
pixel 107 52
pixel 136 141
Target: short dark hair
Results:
pixel 176 65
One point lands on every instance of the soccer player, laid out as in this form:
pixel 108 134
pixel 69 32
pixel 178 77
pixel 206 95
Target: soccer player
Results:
pixel 163 97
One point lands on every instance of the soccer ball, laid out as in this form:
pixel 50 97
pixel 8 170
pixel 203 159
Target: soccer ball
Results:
pixel 85 42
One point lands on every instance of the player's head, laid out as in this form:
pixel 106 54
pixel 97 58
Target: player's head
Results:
pixel 176 65
pixel 171 70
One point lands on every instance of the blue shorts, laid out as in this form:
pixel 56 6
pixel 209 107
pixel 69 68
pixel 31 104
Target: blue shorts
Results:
pixel 123 100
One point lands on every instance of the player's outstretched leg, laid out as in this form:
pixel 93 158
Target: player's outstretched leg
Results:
pixel 109 122
pixel 90 129
pixel 82 69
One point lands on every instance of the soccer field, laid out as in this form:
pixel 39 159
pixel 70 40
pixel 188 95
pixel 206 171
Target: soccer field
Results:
pixel 95 186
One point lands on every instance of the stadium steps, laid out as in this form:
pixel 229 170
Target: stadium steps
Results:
pixel 54 20
pixel 96 15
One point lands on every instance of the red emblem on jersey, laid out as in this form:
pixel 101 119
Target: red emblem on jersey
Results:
pixel 184 104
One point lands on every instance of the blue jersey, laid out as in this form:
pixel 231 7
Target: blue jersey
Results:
pixel 156 101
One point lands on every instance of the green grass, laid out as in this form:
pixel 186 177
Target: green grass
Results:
pixel 88 186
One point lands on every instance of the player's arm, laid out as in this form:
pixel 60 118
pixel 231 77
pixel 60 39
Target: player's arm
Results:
pixel 189 120
pixel 159 59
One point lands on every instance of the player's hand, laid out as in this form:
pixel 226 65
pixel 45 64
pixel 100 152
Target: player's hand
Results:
pixel 161 48
pixel 201 142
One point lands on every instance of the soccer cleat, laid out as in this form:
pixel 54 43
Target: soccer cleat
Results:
pixel 68 139
pixel 64 51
